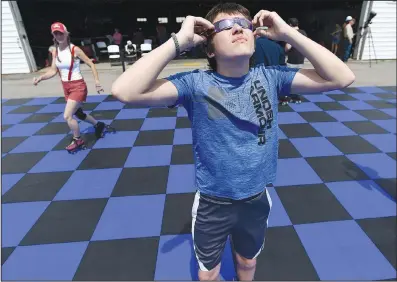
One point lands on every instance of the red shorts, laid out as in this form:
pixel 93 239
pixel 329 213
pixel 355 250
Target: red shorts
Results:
pixel 75 90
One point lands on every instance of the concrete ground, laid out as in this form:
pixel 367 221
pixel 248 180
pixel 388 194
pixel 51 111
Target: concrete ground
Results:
pixel 382 73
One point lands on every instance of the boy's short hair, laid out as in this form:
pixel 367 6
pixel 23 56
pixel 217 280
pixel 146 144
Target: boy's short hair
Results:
pixel 229 9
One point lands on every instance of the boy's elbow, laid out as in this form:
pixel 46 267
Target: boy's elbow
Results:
pixel 348 79
pixel 116 92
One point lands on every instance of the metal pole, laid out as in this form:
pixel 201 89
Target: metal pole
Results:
pixel 122 59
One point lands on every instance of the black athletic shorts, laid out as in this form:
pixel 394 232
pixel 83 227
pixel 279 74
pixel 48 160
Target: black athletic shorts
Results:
pixel 214 219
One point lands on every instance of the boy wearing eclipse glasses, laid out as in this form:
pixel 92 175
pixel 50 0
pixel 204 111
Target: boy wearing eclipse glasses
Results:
pixel 233 111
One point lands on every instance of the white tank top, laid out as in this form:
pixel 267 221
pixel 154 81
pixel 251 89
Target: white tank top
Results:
pixel 65 57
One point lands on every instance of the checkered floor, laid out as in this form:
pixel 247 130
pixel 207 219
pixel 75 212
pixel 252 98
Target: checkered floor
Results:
pixel 120 210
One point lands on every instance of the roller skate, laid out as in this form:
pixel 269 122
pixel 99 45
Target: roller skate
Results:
pixel 296 99
pixel 284 101
pixel 76 145
pixel 101 129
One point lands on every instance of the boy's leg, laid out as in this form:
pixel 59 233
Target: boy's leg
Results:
pixel 212 222
pixel 249 234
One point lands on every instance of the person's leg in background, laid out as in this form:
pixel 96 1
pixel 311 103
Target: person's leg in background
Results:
pixel 348 48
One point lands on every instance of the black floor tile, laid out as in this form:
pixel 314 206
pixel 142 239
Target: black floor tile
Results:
pixel 60 100
pixel 5 254
pixel 353 145
pixel 341 97
pixel 4 127
pixel 379 104
pixel 154 137
pixel 183 122
pixel 365 127
pixel 27 109
pixel 66 221
pixel 16 102
pixel 20 162
pixel 9 143
pixel 37 187
pixel 389 185
pixel 105 114
pixel 287 150
pixel 317 117
pixel 177 220
pixel 119 260
pixel 162 112
pixel 142 181
pixel 182 154
pixel 311 203
pixel 388 88
pixel 331 106
pixel 54 128
pixel 110 98
pixel 382 232
pixel 352 90
pixel 39 118
pixel 336 168
pixel 285 109
pixel 127 124
pixel 299 130
pixel 392 155
pixel 132 106
pixel 385 95
pixel 284 258
pixel 374 114
pixel 90 106
pixel 105 158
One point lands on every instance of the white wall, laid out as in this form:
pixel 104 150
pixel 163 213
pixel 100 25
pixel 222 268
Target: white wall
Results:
pixel 383 29
pixel 13 58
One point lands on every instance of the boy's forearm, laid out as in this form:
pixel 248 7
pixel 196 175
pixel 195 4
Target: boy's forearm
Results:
pixel 143 73
pixel 326 64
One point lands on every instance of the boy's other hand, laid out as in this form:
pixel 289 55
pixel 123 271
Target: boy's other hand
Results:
pixel 189 34
pixel 276 26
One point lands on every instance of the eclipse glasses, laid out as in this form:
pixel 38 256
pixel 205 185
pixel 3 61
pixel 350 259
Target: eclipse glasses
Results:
pixel 228 24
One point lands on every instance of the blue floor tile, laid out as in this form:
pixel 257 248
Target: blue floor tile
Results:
pixel 342 251
pixel 181 179
pixel 44 262
pixel 89 184
pixel 363 199
pixel 18 218
pixel 123 215
pixel 295 172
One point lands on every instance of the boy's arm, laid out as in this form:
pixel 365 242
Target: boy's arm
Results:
pixel 139 84
pixel 329 71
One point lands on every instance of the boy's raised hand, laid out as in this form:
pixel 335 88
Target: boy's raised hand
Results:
pixel 276 26
pixel 189 34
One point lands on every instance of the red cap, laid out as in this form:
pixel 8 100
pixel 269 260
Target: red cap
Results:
pixel 58 27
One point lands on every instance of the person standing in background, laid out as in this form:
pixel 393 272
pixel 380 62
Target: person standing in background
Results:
pixel 348 37
pixel 336 34
pixel 117 37
pixel 268 52
pixel 295 58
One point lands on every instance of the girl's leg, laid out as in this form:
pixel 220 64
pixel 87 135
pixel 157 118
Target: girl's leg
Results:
pixel 70 109
pixel 91 119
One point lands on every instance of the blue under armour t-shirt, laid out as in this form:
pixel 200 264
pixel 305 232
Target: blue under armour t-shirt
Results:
pixel 234 127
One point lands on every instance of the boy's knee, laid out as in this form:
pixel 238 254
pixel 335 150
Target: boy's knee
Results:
pixel 245 263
